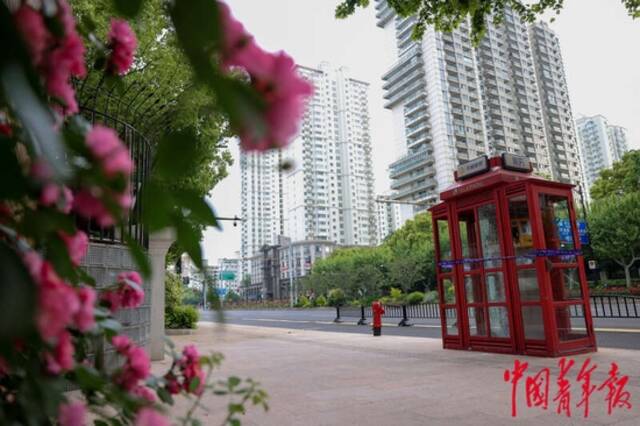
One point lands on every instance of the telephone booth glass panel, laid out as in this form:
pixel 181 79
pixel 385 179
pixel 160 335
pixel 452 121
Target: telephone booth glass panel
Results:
pixel 527 277
pixel 446 279
pixel 564 271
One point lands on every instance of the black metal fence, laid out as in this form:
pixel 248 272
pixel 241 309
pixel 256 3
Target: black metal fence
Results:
pixel 601 307
pixel 140 151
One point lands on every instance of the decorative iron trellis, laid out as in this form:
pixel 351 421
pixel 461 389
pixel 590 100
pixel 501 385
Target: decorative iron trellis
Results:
pixel 140 112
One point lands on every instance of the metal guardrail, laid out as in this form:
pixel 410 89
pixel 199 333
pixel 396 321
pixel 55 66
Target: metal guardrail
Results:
pixel 601 307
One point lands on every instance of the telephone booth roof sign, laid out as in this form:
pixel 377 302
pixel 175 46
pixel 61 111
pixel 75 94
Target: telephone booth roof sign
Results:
pixel 510 271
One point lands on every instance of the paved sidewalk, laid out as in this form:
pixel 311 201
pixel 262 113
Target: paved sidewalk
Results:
pixel 324 378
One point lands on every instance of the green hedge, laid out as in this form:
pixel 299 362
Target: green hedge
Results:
pixel 181 317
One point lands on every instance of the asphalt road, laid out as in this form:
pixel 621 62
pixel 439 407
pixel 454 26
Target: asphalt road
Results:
pixel 612 333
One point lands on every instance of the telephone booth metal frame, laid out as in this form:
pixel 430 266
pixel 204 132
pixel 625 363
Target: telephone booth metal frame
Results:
pixel 510 272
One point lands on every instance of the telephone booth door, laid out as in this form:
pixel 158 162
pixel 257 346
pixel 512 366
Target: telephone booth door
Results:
pixel 485 298
pixel 567 309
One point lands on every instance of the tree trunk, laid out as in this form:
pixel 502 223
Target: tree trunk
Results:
pixel 627 275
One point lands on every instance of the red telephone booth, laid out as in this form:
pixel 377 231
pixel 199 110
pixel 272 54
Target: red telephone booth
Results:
pixel 510 272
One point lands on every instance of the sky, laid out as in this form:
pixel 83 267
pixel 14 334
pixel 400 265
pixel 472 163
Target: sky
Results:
pixel 599 43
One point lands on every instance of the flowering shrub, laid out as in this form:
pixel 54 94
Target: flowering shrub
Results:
pixel 56 167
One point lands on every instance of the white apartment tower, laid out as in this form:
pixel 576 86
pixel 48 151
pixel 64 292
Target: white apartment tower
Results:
pixel 453 102
pixel 601 145
pixel 554 94
pixel 262 204
pixel 328 194
pixel 391 216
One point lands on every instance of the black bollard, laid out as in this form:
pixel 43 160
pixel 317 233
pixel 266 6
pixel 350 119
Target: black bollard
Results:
pixel 405 321
pixel 337 314
pixel 363 319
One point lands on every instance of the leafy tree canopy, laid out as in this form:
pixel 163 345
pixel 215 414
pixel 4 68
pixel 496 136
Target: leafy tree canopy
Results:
pixel 447 15
pixel 623 178
pixel 614 224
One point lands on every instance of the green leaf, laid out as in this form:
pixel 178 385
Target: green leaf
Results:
pixel 164 396
pixel 98 422
pixel 88 378
pixel 139 256
pixel 188 238
pixel 198 208
pixel 235 408
pixel 194 384
pixel 110 326
pixel 233 381
pixel 128 8
pixel 198 30
pixel 17 296
pixel 176 153
pixel 37 120
pixel 234 422
pixel 14 184
pixel 158 217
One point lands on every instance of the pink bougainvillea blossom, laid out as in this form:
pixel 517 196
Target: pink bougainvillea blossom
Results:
pixel 150 417
pixel 144 393
pixel 274 76
pixel 87 203
pixel 72 414
pixel 58 196
pixel 284 93
pixel 77 245
pixel 128 294
pixel 57 302
pixel 56 57
pixel 61 359
pixel 123 43
pixel 30 24
pixel 84 318
pixel 137 365
pixel 191 370
pixel 239 48
pixel 5 129
pixel 105 145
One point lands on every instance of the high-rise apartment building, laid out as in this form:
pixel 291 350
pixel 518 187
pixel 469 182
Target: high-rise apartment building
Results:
pixel 601 145
pixel 327 193
pixel 262 204
pixel 556 108
pixel 452 102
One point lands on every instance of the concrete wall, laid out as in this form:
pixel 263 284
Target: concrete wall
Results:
pixel 104 262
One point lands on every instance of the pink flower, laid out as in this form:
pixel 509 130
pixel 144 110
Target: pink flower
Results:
pixel 33 262
pixel 137 365
pixel 58 303
pixel 5 129
pixel 173 386
pixel 105 145
pixel 128 294
pixel 285 93
pixel 31 26
pixel 84 318
pixel 89 206
pixel 61 359
pixel 238 48
pixel 190 368
pixel 54 195
pixel 72 414
pixel 77 245
pixel 144 393
pixel 123 43
pixel 150 417
pixel 121 343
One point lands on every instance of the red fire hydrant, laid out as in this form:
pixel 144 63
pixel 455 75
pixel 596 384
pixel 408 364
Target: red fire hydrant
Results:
pixel 378 311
